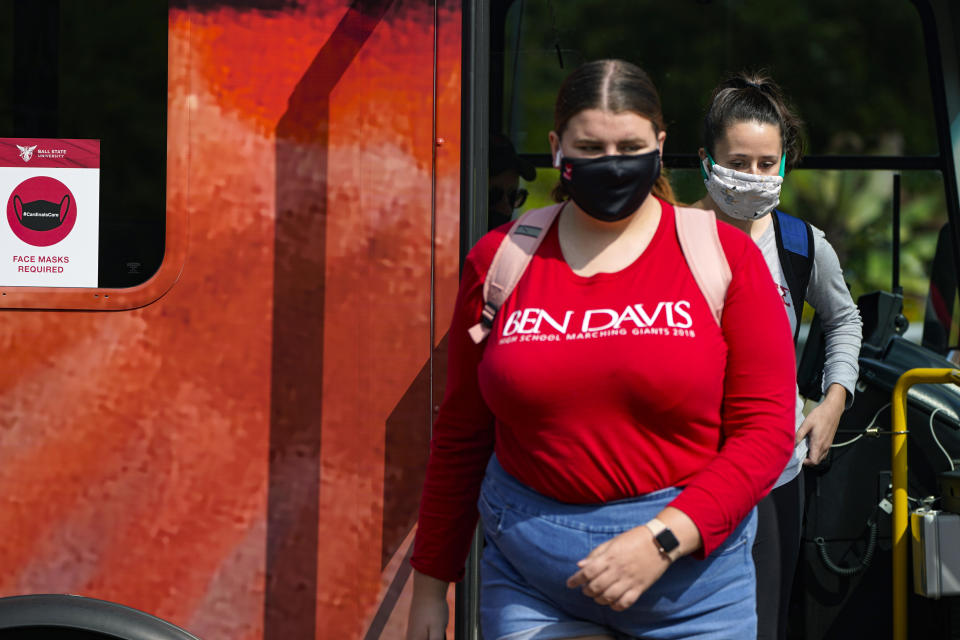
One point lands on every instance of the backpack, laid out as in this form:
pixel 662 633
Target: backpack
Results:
pixel 795 250
pixel 696 230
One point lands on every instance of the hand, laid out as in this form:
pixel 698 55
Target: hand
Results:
pixel 618 571
pixel 821 425
pixel 428 609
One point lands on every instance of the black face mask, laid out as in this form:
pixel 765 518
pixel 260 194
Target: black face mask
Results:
pixel 612 187
pixel 41 215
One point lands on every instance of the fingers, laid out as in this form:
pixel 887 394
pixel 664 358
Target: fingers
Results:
pixel 818 445
pixel 816 453
pixel 626 600
pixel 420 630
pixel 612 594
pixel 617 572
pixel 577 579
pixel 590 577
pixel 813 458
pixel 805 427
pixel 599 588
pixel 619 595
pixel 428 610
pixel 605 587
pixel 818 449
pixel 590 568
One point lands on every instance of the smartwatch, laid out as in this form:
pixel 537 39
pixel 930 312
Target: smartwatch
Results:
pixel 662 536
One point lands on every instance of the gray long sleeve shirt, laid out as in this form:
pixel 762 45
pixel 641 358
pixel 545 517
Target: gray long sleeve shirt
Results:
pixel 827 293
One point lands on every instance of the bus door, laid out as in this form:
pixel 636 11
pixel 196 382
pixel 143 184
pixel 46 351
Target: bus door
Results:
pixel 878 85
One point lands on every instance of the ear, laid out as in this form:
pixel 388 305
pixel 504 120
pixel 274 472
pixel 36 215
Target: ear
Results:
pixel 703 156
pixel 660 138
pixel 554 148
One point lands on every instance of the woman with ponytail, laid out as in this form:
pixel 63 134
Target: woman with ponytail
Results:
pixel 752 138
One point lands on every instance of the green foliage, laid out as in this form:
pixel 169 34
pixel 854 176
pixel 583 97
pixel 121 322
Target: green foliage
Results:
pixel 856 72
pixel 854 209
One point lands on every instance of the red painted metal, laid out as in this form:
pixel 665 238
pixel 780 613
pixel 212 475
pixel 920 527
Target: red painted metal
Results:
pixel 220 456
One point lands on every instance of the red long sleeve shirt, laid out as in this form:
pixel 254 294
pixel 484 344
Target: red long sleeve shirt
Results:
pixel 592 389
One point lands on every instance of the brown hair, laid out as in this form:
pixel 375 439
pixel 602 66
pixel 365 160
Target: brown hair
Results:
pixel 747 97
pixel 610 85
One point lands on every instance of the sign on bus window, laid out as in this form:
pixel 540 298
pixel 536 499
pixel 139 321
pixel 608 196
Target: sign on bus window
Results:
pixel 84 169
pixel 52 193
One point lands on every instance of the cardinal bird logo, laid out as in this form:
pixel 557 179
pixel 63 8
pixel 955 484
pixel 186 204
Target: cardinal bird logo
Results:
pixel 27 152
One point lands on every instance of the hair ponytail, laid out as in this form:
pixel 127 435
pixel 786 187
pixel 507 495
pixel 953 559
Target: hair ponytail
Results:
pixel 746 97
pixel 663 189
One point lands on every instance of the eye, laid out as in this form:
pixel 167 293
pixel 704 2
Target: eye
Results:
pixel 631 148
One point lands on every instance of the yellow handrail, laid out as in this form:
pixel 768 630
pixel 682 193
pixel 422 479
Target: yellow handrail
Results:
pixel 898 462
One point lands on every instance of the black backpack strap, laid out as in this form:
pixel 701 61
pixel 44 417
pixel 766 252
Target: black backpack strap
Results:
pixel 795 250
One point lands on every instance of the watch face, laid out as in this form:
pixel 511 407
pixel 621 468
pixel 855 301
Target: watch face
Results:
pixel 667 541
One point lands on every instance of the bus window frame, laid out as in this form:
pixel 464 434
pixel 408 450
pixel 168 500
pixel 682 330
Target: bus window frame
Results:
pixel 176 240
pixel 117 299
pixel 941 48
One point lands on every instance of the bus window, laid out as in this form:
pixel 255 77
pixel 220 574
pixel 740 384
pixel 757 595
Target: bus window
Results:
pixel 859 94
pixel 96 73
pixel 866 106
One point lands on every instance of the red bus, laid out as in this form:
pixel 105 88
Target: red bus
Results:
pixel 225 424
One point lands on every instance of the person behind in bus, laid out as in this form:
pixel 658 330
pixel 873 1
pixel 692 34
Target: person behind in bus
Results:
pixel 616 471
pixel 751 136
pixel 506 169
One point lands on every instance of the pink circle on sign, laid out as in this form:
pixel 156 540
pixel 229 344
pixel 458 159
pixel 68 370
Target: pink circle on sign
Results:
pixel 51 211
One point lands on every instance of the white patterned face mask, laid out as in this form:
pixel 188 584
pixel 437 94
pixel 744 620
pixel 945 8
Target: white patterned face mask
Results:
pixel 744 196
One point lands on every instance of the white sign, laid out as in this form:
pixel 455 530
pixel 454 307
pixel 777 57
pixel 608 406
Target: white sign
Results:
pixel 51 233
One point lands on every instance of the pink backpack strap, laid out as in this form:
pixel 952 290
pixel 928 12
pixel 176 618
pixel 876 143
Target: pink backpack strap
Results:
pixel 700 242
pixel 509 262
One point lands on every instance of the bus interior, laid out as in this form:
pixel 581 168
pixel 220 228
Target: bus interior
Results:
pixel 865 172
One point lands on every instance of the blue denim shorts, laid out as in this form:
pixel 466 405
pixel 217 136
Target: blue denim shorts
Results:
pixel 533 544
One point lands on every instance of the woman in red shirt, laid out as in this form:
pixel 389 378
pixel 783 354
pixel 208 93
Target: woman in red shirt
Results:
pixel 615 436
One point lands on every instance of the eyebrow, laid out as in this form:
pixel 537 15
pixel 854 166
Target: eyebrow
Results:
pixel 747 155
pixel 587 140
